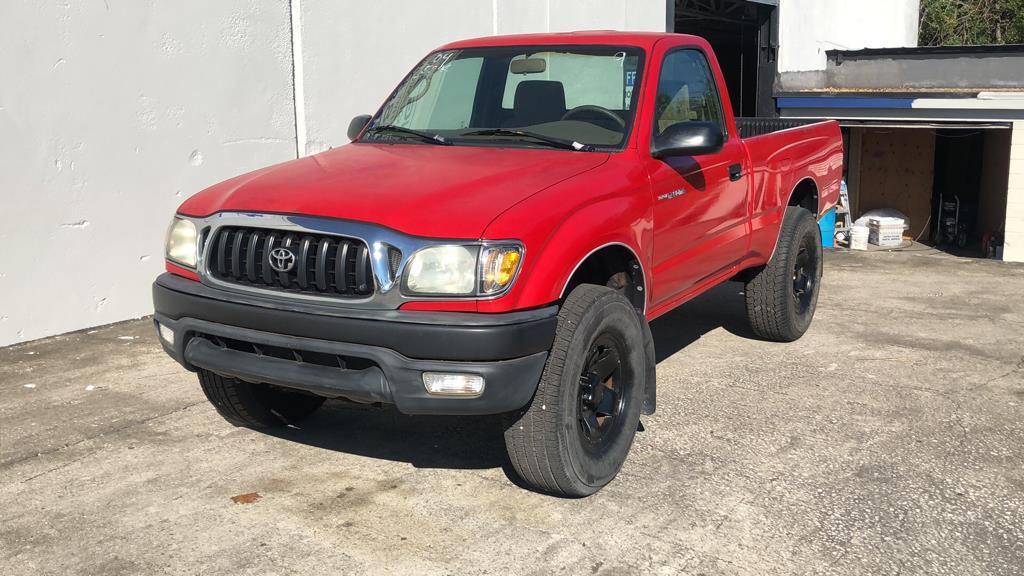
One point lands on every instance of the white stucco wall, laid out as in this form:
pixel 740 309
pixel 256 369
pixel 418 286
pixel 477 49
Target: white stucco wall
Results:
pixel 111 112
pixel 1013 249
pixel 809 28
pixel 114 111
pixel 353 59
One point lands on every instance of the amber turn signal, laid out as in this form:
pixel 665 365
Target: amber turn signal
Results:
pixel 498 268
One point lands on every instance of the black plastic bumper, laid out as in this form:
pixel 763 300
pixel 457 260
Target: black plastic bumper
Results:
pixel 389 350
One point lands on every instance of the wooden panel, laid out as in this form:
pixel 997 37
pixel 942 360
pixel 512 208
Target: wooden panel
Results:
pixel 897 170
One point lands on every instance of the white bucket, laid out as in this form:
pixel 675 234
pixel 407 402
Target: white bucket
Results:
pixel 859 237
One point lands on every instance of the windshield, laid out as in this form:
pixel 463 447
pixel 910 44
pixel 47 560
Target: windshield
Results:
pixel 579 98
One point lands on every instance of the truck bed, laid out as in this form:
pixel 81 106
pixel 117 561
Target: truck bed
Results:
pixel 752 127
pixel 784 153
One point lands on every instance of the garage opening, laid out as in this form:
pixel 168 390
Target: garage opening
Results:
pixel 950 181
pixel 744 35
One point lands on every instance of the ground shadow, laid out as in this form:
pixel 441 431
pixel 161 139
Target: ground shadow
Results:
pixel 720 307
pixel 457 442
pixel 476 442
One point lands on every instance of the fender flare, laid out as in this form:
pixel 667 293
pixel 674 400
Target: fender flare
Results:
pixel 817 215
pixel 643 270
pixel 650 394
pixel 817 189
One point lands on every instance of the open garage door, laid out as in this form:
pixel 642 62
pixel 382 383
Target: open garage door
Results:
pixel 744 34
pixel 951 180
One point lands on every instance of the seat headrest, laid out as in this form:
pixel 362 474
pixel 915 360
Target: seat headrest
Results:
pixel 539 101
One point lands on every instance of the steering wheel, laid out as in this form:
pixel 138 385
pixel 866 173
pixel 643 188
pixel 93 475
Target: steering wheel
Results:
pixel 599 109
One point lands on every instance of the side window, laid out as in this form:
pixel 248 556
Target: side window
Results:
pixel 686 91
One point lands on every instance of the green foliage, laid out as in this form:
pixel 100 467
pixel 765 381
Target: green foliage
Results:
pixel 971 22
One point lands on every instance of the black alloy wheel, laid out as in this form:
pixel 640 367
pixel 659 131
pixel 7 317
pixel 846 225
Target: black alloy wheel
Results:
pixel 575 434
pixel 603 394
pixel 805 270
pixel 782 297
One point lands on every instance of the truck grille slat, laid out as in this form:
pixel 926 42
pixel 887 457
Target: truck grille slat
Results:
pixel 362 263
pixel 321 265
pixel 236 253
pixel 302 274
pixel 341 264
pixel 253 256
pixel 222 253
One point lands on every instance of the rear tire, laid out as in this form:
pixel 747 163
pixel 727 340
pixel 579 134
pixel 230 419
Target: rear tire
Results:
pixel 256 405
pixel 574 436
pixel 782 297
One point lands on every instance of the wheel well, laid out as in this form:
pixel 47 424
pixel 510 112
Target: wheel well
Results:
pixel 805 195
pixel 614 266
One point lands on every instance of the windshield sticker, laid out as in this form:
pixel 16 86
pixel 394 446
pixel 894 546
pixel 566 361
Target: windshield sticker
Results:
pixel 627 96
pixel 416 87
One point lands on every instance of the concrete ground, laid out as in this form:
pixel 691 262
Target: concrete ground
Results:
pixel 889 440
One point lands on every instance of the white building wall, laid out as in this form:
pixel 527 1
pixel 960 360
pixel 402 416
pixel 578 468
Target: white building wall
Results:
pixel 1013 248
pixel 809 28
pixel 114 111
pixel 352 59
pixel 111 113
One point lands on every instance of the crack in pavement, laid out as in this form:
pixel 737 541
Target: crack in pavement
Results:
pixel 12 463
pixel 1017 368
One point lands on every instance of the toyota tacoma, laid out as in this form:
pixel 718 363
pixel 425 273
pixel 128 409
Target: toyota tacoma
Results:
pixel 496 239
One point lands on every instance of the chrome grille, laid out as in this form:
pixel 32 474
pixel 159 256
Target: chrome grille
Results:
pixel 320 264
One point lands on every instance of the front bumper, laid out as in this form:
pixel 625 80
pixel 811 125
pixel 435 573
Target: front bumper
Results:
pixel 362 355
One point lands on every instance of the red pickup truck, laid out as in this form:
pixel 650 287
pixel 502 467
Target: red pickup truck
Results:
pixel 496 239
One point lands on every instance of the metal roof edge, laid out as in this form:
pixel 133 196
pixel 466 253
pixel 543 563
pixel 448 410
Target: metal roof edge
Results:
pixel 873 93
pixel 1017 49
pixel 845 102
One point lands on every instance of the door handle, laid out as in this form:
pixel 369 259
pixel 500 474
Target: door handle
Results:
pixel 735 172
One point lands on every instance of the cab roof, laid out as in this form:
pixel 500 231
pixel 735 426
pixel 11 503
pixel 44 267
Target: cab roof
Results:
pixel 644 40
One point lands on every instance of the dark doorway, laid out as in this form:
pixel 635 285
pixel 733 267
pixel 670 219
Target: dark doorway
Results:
pixel 744 35
pixel 959 155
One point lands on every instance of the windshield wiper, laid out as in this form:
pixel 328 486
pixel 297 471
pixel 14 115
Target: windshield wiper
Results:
pixel 425 136
pixel 556 142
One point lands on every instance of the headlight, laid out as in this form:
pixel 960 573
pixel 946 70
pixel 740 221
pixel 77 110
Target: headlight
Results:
pixel 462 270
pixel 443 270
pixel 181 242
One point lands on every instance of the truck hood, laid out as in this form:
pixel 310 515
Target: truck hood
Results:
pixel 423 190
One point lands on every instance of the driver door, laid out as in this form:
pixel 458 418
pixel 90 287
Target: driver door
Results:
pixel 700 202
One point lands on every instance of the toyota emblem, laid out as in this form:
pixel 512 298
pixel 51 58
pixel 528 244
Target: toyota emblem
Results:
pixel 281 259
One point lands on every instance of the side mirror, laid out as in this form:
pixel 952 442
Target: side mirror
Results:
pixel 357 124
pixel 688 139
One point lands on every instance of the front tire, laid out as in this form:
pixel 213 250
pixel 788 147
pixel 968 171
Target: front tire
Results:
pixel 574 436
pixel 782 297
pixel 256 405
